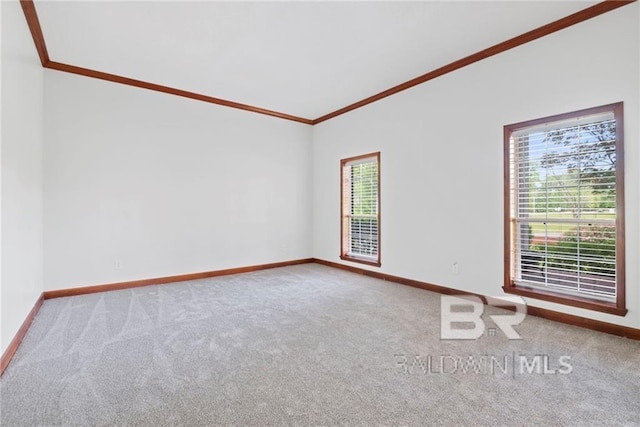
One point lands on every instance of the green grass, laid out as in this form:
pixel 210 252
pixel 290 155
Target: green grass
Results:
pixel 555 228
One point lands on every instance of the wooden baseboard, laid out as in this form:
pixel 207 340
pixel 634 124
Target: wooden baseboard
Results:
pixel 15 343
pixel 569 319
pixel 583 322
pixel 396 279
pixel 168 279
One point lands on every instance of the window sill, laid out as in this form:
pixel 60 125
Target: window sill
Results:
pixel 375 263
pixel 588 304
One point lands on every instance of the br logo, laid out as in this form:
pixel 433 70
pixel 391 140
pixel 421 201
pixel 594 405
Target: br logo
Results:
pixel 467 310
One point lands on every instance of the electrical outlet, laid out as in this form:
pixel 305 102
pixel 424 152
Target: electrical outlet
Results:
pixel 455 268
pixel 117 264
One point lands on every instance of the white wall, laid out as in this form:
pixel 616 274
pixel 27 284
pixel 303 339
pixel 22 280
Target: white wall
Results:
pixel 21 173
pixel 2 346
pixel 166 185
pixel 442 161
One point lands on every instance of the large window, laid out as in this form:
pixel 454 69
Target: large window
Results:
pixel 360 209
pixel 564 209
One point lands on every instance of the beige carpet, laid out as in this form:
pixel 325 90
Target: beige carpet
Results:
pixel 303 345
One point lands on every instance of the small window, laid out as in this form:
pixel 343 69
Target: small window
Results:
pixel 360 209
pixel 564 209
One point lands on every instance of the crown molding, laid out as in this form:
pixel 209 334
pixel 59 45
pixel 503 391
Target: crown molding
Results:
pixel 29 9
pixel 33 22
pixel 560 24
pixel 52 65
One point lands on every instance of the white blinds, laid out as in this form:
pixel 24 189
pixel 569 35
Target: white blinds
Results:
pixel 563 195
pixel 360 179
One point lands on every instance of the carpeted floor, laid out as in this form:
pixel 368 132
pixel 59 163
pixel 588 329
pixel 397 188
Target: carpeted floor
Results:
pixel 304 345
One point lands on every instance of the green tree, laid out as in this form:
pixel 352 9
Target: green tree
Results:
pixel 590 150
pixel 364 183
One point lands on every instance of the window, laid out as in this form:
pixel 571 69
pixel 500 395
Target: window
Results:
pixel 564 209
pixel 360 209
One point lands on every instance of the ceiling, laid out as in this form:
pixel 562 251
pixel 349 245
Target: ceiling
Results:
pixel 301 58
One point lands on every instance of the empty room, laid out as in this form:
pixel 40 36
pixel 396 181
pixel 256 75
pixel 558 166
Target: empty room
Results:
pixel 320 213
